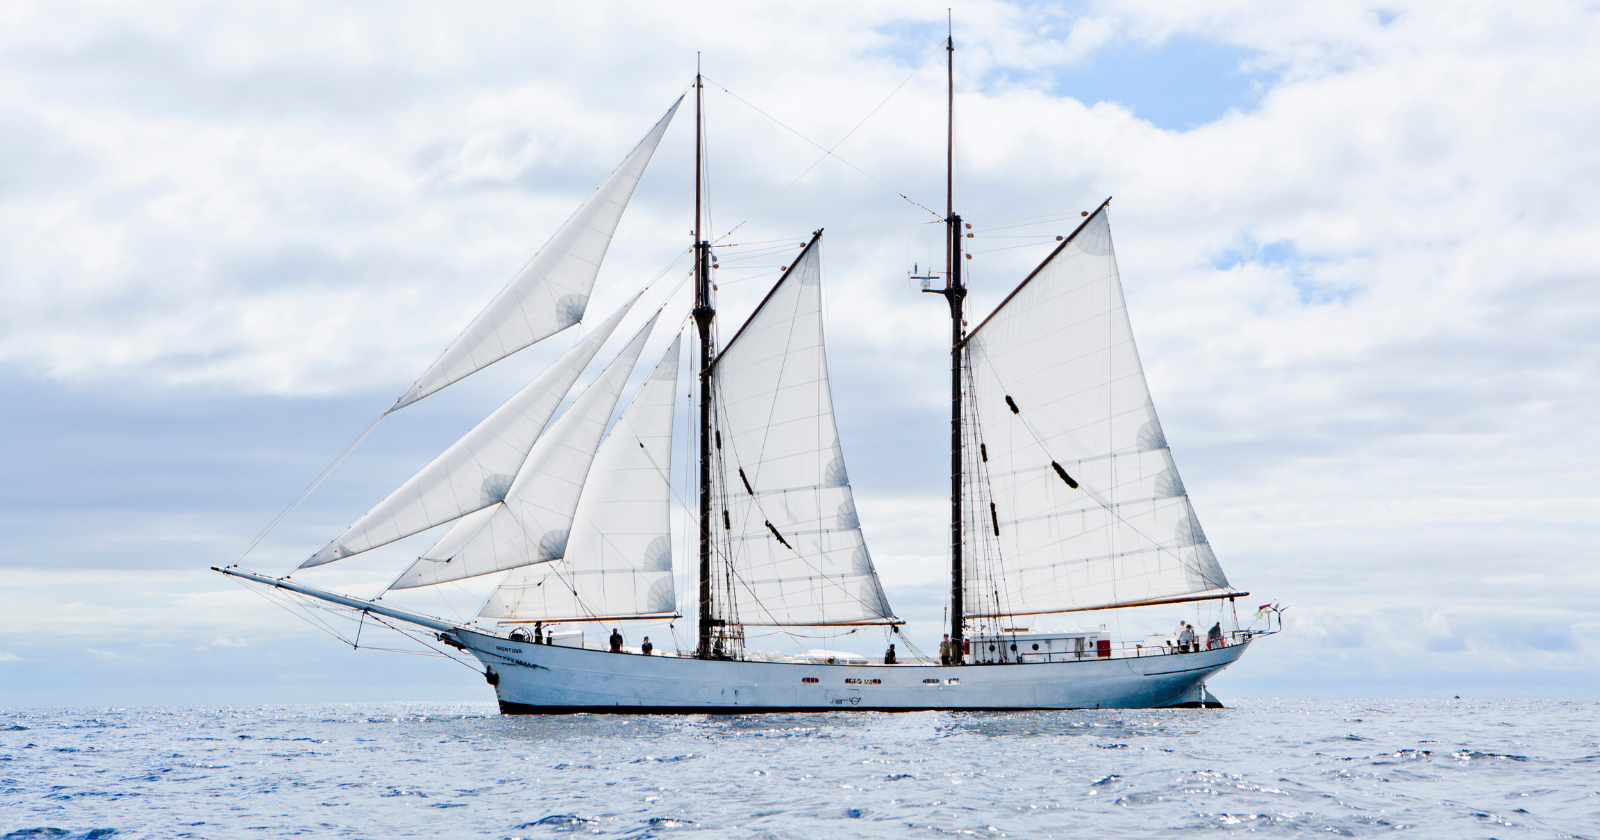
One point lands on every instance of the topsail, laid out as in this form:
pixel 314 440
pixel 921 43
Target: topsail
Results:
pixel 1073 498
pixel 552 291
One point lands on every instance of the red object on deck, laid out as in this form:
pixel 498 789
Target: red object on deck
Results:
pixel 1103 647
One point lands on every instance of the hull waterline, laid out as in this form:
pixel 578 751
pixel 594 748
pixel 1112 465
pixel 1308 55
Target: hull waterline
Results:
pixel 553 679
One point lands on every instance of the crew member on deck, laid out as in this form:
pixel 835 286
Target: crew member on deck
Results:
pixel 888 656
pixel 538 632
pixel 616 641
pixel 1214 637
pixel 944 650
pixel 646 647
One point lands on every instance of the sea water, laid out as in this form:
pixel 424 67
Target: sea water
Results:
pixel 1274 768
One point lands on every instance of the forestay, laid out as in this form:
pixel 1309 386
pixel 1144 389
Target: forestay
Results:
pixel 791 534
pixel 477 470
pixel 532 523
pixel 552 291
pixel 1058 393
pixel 618 562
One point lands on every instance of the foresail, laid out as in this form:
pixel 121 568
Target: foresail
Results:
pixel 552 291
pixel 618 561
pixel 1073 499
pixel 532 523
pixel 477 470
pixel 788 518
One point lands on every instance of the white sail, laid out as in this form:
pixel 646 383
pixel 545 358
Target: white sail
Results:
pixel 552 291
pixel 1057 392
pixel 477 470
pixel 618 561
pixel 791 534
pixel 532 523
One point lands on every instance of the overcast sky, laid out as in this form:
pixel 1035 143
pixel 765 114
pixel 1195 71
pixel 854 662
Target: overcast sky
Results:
pixel 1357 241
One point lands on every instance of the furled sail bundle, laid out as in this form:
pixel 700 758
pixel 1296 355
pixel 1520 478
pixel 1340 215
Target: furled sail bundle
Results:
pixel 477 470
pixel 792 537
pixel 531 524
pixel 618 562
pixel 1073 493
pixel 552 291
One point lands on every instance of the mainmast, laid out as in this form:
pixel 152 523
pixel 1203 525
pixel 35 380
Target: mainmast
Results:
pixel 704 312
pixel 955 292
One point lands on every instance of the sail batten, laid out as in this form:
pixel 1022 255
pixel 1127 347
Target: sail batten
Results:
pixel 550 293
pixel 477 470
pixel 618 562
pixel 532 523
pixel 1088 508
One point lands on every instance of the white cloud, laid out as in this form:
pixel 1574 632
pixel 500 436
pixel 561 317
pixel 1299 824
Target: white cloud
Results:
pixel 9 657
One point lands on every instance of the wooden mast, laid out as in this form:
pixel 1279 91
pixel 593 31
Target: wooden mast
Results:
pixel 704 312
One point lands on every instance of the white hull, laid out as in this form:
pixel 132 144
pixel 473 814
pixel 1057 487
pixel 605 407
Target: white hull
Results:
pixel 551 679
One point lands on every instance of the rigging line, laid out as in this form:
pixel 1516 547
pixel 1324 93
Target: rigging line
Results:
pixel 828 151
pixel 1088 492
pixel 1022 219
pixel 417 637
pixel 1013 247
pixel 278 520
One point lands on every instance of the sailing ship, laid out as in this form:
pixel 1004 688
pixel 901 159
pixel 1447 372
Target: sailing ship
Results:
pixel 1064 498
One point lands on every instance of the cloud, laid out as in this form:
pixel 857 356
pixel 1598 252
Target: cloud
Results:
pixel 9 657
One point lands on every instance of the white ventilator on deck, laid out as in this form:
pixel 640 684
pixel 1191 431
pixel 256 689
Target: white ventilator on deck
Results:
pixel 795 545
pixel 552 291
pixel 1061 351
pixel 531 524
pixel 618 562
pixel 477 470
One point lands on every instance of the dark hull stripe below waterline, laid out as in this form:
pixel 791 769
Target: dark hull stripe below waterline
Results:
pixel 508 708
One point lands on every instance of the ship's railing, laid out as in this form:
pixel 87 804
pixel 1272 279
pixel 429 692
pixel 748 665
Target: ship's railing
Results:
pixel 1128 650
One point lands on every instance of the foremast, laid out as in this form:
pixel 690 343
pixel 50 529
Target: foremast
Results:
pixel 704 313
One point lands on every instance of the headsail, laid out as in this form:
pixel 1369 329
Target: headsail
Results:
pixel 477 470
pixel 618 561
pixel 533 522
pixel 552 291
pixel 791 534
pixel 1073 497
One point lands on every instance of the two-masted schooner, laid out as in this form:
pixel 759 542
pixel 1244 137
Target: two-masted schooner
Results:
pixel 1064 498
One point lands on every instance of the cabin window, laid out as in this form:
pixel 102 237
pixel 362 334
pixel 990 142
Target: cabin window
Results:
pixel 930 682
pixel 1036 646
pixel 953 681
pixel 874 682
pixel 852 681
pixel 808 679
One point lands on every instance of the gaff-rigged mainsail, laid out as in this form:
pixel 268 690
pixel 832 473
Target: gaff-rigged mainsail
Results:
pixel 477 470
pixel 531 525
pixel 618 562
pixel 552 291
pixel 789 528
pixel 1065 457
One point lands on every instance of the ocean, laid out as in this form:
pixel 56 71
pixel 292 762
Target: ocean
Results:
pixel 1265 768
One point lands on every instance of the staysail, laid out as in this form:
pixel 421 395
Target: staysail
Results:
pixel 1073 498
pixel 618 562
pixel 789 527
pixel 532 523
pixel 477 470
pixel 552 291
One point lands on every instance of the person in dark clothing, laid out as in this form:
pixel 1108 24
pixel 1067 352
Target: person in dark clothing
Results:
pixel 944 650
pixel 538 632
pixel 616 641
pixel 646 647
pixel 888 656
pixel 1214 637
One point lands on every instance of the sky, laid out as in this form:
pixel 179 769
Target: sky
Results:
pixel 1356 240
